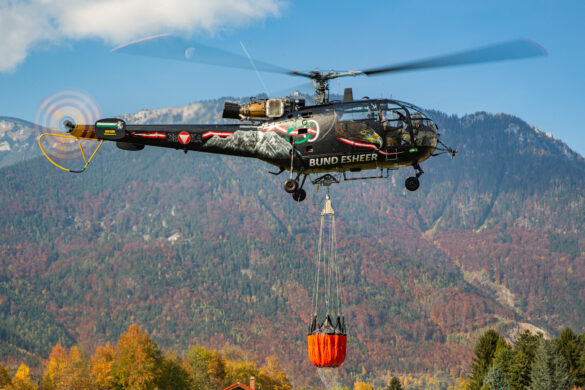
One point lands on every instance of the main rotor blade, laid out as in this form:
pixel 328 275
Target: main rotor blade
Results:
pixel 511 50
pixel 174 48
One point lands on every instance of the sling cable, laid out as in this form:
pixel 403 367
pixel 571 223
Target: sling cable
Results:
pixel 327 338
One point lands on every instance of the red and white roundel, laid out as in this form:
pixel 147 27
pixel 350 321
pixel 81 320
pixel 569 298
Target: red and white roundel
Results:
pixel 184 137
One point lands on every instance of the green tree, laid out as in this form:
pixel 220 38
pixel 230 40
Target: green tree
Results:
pixel 206 368
pixel 174 375
pixel 520 369
pixel 549 370
pixel 503 359
pixel 568 346
pixel 495 379
pixel 394 384
pixel 580 372
pixel 241 371
pixel 271 375
pixel 484 355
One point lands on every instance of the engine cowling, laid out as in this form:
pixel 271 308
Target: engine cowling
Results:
pixel 261 110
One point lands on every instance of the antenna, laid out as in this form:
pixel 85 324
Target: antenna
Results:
pixel 255 68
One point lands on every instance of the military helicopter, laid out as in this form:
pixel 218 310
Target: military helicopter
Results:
pixel 330 139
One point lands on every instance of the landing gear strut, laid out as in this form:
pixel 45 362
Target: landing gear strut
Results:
pixel 292 186
pixel 297 192
pixel 412 183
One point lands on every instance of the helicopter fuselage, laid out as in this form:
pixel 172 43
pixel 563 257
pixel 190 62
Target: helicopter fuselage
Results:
pixel 333 137
pixel 327 137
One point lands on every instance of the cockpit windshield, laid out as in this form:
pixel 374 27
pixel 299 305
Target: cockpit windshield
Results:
pixel 394 123
pixel 417 114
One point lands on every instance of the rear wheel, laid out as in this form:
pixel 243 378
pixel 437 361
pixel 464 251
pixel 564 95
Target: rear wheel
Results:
pixel 299 195
pixel 412 183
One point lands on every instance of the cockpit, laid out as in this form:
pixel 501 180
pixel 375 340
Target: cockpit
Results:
pixel 387 123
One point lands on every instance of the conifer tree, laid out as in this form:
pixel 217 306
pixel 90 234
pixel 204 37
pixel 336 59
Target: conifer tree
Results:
pixel 394 384
pixel 580 372
pixel 549 370
pixel 503 360
pixel 568 346
pixel 484 355
pixel 520 369
pixel 495 379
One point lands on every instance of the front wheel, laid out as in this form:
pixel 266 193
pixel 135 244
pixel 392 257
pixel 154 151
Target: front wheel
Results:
pixel 412 183
pixel 291 186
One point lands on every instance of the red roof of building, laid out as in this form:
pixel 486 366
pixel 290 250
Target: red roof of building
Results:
pixel 237 386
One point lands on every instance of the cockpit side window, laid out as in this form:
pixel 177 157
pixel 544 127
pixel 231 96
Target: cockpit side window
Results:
pixel 357 112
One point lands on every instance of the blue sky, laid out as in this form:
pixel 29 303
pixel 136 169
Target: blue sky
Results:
pixel 65 45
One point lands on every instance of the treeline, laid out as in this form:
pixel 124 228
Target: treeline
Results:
pixel 531 362
pixel 136 362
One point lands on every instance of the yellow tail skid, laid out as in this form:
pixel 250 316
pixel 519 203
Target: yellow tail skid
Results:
pixel 79 139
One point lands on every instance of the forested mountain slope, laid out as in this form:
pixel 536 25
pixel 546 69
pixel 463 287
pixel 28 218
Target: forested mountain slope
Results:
pixel 200 248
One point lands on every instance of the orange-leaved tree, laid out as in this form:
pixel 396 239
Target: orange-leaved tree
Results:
pixel 101 365
pixel 138 362
pixel 67 370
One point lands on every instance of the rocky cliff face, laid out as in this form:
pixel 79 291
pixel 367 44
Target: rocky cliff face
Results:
pixel 17 141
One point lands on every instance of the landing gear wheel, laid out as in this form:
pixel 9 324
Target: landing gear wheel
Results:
pixel 299 195
pixel 412 183
pixel 291 186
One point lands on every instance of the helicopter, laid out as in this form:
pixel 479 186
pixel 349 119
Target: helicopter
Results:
pixel 332 139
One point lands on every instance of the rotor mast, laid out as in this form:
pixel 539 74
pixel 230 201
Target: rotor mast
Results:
pixel 321 82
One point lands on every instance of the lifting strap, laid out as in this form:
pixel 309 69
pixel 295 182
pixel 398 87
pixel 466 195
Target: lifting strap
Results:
pixel 327 254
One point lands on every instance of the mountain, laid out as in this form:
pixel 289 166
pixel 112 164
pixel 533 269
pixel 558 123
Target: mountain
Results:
pixel 17 140
pixel 200 248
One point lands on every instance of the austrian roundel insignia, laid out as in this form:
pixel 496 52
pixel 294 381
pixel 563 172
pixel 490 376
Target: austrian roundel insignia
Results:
pixel 184 137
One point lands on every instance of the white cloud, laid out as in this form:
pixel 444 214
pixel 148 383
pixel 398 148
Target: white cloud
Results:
pixel 28 24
